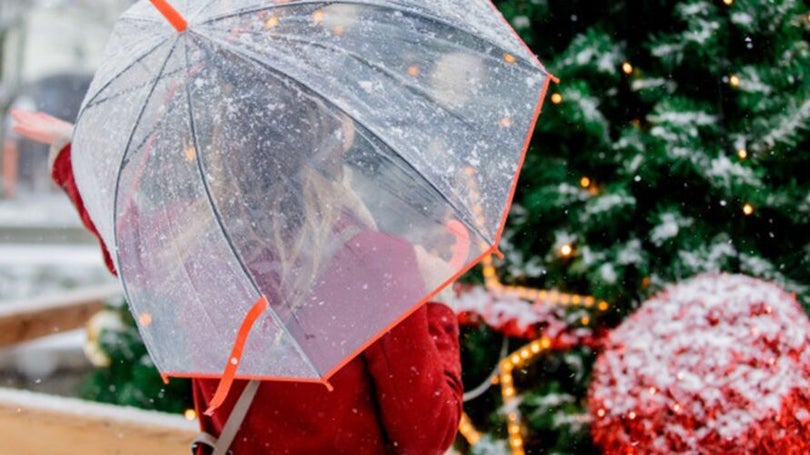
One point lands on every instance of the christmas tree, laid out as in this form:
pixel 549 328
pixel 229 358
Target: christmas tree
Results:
pixel 671 146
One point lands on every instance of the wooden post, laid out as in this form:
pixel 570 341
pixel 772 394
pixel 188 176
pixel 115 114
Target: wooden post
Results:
pixel 31 319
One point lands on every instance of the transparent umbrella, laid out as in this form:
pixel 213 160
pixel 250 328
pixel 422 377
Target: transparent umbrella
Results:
pixel 283 181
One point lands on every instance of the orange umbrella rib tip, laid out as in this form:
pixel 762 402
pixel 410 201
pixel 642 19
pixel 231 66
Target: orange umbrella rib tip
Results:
pixel 172 15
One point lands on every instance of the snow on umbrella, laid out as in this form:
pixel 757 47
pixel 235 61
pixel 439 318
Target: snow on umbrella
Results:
pixel 259 165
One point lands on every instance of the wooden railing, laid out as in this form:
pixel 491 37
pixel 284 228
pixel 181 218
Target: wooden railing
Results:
pixel 33 423
pixel 28 320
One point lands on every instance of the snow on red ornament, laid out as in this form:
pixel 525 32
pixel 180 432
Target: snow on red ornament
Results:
pixel 717 364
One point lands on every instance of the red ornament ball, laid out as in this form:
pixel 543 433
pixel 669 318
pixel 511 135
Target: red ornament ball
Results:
pixel 717 364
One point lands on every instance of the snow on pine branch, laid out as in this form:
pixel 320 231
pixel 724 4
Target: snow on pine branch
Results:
pixel 785 128
pixel 605 204
pixel 668 227
pixel 724 173
pixel 592 49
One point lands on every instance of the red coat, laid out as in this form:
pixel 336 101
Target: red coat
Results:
pixel 403 394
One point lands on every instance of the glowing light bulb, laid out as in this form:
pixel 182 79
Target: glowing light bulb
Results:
pixel 734 81
pixel 748 209
pixel 627 68
pixel 566 250
pixel 556 98
pixel 271 22
pixel 584 182
pixel 509 58
pixel 505 122
pixel 742 154
pixel 728 2
pixel 190 414
pixel 145 319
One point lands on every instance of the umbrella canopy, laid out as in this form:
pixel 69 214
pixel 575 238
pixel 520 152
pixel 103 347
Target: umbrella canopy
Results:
pixel 284 181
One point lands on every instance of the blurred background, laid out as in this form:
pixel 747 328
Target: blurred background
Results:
pixel 48 52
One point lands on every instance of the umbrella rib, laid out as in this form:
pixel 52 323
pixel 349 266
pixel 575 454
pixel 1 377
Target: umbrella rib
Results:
pixel 117 76
pixel 124 161
pixel 95 102
pixel 466 217
pixel 224 230
pixel 203 8
pixel 393 75
pixel 408 11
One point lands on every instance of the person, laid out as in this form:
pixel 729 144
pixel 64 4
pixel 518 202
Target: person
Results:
pixel 403 393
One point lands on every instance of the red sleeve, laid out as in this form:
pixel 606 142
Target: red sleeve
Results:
pixel 417 374
pixel 62 174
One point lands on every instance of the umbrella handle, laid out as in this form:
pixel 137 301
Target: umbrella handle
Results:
pixel 461 250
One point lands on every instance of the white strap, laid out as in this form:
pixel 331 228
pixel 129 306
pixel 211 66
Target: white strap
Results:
pixel 232 425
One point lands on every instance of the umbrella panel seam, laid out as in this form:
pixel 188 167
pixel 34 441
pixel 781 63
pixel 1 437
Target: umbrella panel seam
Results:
pixel 380 5
pixel 123 163
pixel 466 217
pixel 114 78
pixel 226 234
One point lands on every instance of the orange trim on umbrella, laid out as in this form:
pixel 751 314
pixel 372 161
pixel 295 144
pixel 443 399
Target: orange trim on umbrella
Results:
pixel 236 355
pixel 175 18
pixel 461 250
pixel 512 190
pixel 324 380
pixel 421 302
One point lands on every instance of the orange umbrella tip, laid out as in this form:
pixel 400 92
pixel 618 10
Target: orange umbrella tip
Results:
pixel 175 18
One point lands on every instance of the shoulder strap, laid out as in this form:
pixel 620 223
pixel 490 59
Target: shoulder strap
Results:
pixel 232 425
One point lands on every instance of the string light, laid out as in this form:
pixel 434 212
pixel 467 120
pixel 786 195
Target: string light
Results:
pixel 190 153
pixel 527 353
pixel 413 70
pixel 145 319
pixel 728 2
pixel 734 81
pixel 748 209
pixel 742 154
pixel 517 360
pixel 190 414
pixel 627 68
pixel 271 22
pixel 566 250
pixel 467 429
pixel 505 122
pixel 556 98
pixel 584 182
pixel 509 58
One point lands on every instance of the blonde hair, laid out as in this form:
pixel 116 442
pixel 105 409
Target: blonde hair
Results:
pixel 291 187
